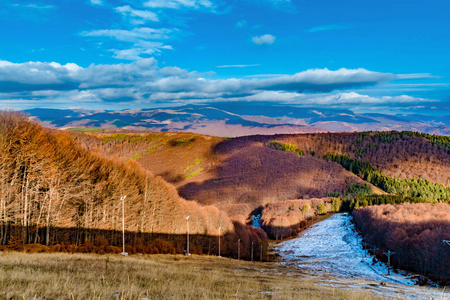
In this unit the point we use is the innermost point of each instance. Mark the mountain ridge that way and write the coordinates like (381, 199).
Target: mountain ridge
(240, 119)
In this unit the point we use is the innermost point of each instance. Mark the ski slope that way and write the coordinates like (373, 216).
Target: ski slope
(331, 250)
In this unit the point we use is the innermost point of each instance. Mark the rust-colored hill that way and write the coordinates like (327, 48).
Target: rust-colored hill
(214, 170)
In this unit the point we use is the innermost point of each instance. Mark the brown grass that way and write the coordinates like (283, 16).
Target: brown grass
(88, 276)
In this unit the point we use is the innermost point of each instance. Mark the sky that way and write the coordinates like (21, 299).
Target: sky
(384, 56)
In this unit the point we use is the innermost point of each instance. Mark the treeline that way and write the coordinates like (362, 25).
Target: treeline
(419, 188)
(392, 136)
(349, 204)
(353, 190)
(48, 183)
(416, 233)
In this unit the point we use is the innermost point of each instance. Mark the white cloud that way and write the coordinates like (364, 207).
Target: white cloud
(347, 98)
(97, 2)
(266, 39)
(137, 17)
(177, 4)
(132, 36)
(37, 73)
(144, 40)
(145, 73)
(417, 76)
(35, 6)
(326, 80)
(238, 66)
(137, 52)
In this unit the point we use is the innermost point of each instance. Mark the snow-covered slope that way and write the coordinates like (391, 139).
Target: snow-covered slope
(332, 251)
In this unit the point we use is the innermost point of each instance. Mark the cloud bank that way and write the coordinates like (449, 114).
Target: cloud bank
(143, 82)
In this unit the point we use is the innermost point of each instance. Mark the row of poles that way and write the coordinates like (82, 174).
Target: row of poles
(389, 253)
(220, 228)
(187, 235)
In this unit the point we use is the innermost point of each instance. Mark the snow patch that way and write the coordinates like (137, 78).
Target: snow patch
(332, 249)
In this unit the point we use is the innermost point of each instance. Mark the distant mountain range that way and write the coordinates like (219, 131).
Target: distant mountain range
(238, 119)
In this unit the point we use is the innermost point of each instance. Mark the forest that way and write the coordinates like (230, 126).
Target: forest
(56, 193)
(418, 188)
(416, 233)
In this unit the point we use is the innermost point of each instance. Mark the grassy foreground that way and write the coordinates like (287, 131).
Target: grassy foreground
(89, 276)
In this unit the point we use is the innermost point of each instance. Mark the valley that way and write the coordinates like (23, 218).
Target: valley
(213, 149)
(61, 191)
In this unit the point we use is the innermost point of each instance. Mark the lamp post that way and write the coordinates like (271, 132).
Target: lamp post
(123, 225)
(187, 234)
(388, 254)
(219, 239)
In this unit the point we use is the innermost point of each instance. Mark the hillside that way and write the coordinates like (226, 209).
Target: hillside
(65, 186)
(53, 191)
(267, 174)
(227, 173)
(250, 168)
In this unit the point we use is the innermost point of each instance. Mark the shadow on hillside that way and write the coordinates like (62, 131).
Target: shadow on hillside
(82, 240)
(255, 172)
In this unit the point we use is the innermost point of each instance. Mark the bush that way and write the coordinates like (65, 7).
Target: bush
(321, 209)
(336, 205)
(305, 209)
(35, 248)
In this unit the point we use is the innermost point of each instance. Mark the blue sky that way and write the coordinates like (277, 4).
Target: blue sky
(371, 56)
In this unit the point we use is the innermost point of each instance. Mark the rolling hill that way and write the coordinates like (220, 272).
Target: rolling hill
(246, 174)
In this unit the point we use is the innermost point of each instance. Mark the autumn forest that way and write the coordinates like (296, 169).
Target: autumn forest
(60, 190)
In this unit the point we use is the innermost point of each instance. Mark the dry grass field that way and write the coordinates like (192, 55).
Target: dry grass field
(88, 276)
